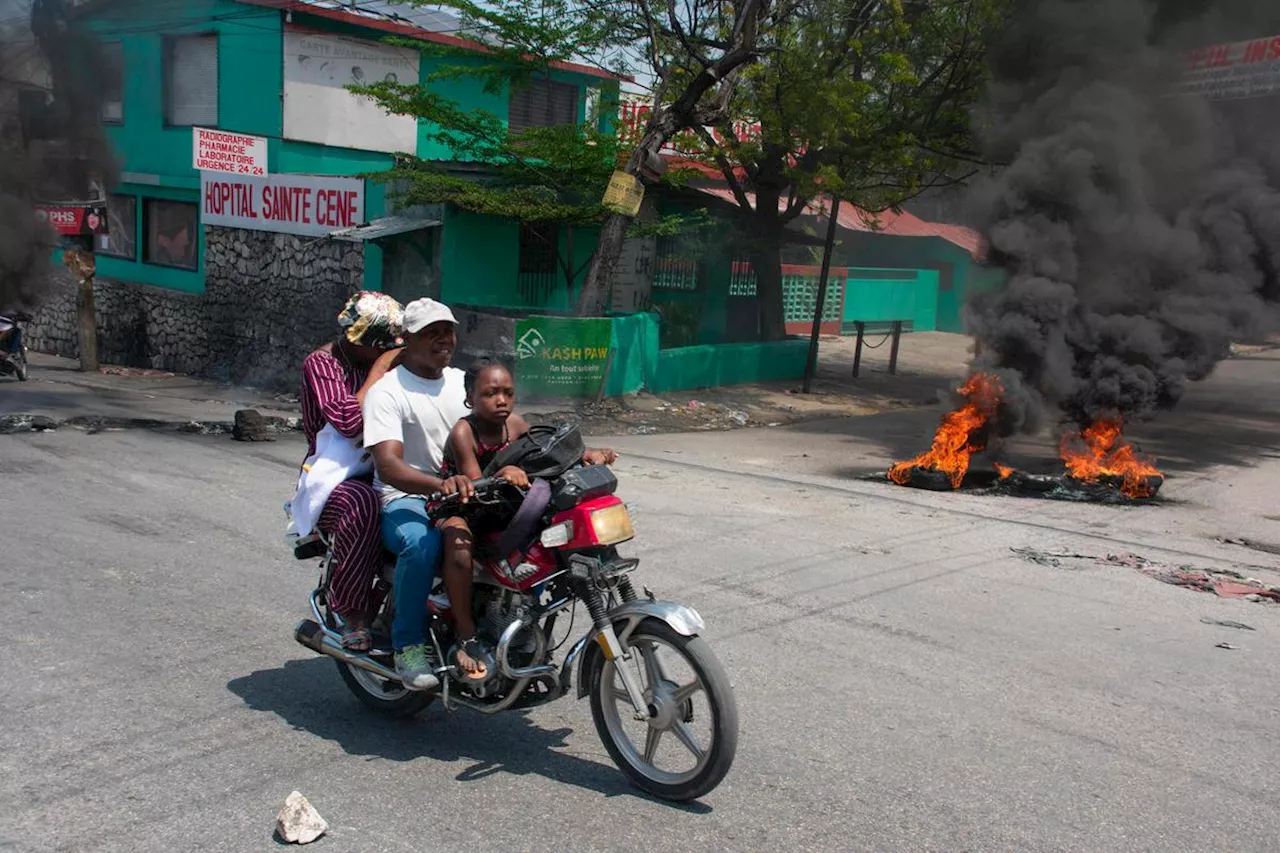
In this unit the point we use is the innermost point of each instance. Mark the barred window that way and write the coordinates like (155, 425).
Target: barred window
(542, 103)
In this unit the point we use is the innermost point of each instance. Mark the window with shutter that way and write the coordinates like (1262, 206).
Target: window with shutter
(543, 103)
(113, 84)
(191, 81)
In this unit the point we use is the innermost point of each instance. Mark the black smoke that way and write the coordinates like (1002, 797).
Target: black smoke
(1140, 227)
(53, 146)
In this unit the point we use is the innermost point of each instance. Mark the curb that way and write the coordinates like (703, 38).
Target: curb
(91, 424)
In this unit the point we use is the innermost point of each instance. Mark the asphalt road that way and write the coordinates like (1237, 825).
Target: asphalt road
(906, 682)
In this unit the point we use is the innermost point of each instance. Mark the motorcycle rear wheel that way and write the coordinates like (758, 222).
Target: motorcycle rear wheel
(393, 699)
(379, 694)
(674, 700)
(20, 367)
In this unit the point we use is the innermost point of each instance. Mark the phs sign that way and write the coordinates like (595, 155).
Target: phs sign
(307, 205)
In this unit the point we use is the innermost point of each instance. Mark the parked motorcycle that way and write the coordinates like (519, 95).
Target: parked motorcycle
(660, 699)
(13, 360)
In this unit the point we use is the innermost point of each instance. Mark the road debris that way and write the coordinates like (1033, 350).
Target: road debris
(1221, 582)
(299, 822)
(1052, 559)
(1227, 623)
(1226, 646)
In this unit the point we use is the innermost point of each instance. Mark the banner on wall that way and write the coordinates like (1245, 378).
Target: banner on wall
(307, 205)
(233, 153)
(75, 220)
(318, 107)
(562, 356)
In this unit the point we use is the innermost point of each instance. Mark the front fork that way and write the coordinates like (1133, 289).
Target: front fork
(610, 646)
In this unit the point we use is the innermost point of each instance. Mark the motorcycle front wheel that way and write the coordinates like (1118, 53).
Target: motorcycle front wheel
(688, 744)
(20, 366)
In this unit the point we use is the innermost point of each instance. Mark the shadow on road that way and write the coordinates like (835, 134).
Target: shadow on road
(309, 696)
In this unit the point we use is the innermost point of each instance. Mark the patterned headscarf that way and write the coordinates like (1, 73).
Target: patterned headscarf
(372, 319)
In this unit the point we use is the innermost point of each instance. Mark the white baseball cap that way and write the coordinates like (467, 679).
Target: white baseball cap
(421, 313)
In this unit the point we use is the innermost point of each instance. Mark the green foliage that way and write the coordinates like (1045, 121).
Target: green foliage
(869, 101)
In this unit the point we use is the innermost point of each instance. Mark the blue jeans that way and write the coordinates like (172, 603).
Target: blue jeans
(410, 535)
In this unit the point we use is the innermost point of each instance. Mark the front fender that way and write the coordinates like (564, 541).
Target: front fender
(625, 617)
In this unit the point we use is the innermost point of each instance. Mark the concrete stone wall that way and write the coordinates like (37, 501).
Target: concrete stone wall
(269, 300)
(483, 334)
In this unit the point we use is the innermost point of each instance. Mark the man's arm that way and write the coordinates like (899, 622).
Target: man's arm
(388, 456)
(384, 437)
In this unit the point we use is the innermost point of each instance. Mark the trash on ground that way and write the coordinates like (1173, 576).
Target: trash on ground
(1227, 623)
(1221, 582)
(1226, 646)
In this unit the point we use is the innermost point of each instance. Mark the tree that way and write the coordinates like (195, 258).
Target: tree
(690, 52)
(862, 99)
(541, 175)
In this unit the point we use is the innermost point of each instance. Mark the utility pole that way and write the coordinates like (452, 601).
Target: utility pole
(811, 365)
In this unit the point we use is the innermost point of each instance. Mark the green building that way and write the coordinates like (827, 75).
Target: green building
(201, 271)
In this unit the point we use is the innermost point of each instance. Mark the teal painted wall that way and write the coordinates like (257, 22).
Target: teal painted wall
(959, 275)
(876, 296)
(479, 258)
(729, 364)
(482, 258)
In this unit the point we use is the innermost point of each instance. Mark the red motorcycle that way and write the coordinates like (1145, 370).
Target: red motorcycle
(661, 701)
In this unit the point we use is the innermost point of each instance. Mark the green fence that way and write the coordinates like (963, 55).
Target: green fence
(728, 364)
(560, 357)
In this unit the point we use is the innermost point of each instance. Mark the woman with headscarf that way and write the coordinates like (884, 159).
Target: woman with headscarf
(335, 379)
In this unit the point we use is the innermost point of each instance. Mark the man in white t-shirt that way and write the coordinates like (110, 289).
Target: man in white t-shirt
(408, 415)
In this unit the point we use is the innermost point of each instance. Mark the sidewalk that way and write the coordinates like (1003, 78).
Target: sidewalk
(121, 396)
(929, 365)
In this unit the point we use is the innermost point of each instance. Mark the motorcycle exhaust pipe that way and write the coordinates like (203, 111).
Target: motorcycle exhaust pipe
(310, 634)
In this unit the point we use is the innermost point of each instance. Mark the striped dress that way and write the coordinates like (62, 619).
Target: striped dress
(350, 517)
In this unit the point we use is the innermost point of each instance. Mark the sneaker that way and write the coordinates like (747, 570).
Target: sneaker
(414, 668)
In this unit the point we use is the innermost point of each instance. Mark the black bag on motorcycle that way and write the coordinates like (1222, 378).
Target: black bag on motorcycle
(544, 451)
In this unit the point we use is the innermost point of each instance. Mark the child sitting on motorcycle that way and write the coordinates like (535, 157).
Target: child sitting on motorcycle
(473, 443)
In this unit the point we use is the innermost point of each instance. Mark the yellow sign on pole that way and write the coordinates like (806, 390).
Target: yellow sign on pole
(624, 194)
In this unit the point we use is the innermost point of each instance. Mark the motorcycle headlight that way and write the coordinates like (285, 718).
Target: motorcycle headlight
(612, 524)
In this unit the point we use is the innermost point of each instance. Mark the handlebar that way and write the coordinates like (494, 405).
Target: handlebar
(484, 484)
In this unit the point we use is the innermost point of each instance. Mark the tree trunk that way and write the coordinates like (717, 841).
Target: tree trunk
(766, 261)
(83, 267)
(614, 230)
(86, 326)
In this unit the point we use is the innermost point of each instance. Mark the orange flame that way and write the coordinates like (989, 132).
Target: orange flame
(1105, 453)
(1004, 471)
(960, 434)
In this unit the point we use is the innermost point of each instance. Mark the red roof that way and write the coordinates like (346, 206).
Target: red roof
(347, 16)
(897, 224)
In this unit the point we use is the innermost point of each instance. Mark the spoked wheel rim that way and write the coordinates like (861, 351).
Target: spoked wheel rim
(376, 685)
(674, 746)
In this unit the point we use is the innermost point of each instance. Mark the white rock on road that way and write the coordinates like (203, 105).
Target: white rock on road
(299, 822)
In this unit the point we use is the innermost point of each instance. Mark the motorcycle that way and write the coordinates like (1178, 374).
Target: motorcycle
(661, 701)
(13, 360)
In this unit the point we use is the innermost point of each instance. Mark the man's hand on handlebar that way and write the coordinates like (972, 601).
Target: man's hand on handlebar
(460, 486)
(514, 475)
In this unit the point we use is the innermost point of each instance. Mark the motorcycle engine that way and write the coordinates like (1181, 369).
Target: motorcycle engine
(501, 609)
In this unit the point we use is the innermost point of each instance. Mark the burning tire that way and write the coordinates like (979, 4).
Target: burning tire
(934, 481)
